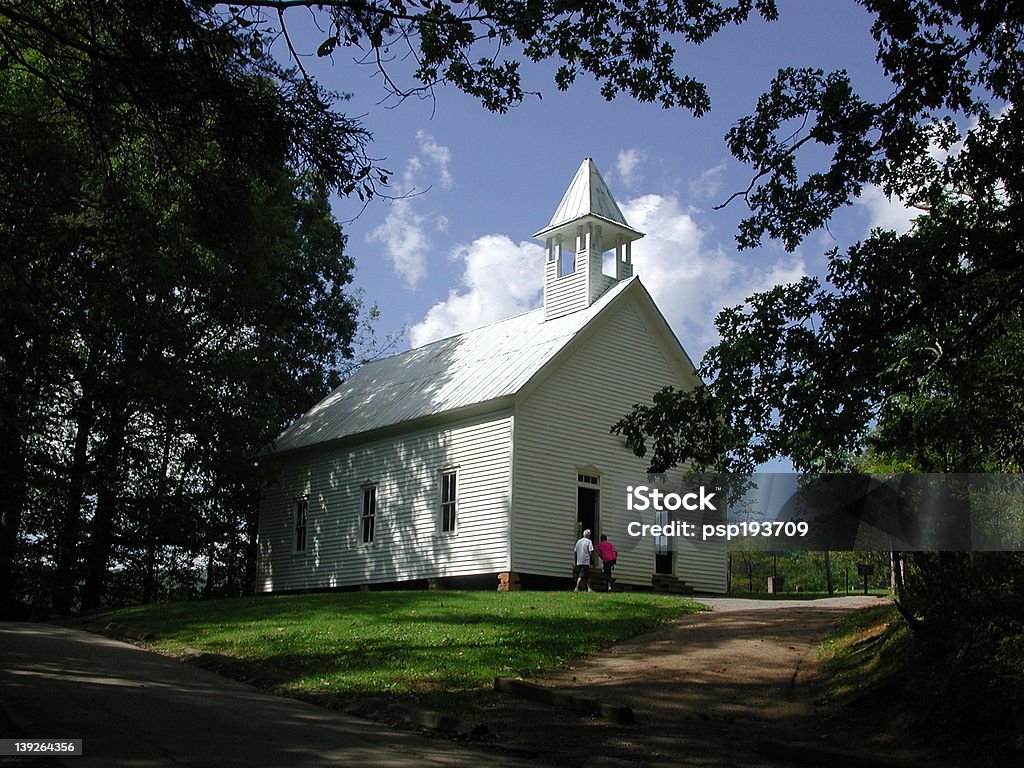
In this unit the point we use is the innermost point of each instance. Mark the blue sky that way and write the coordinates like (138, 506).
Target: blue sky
(459, 254)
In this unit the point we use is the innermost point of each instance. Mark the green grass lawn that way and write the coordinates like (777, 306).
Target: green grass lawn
(359, 644)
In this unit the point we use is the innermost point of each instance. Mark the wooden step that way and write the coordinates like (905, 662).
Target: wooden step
(672, 585)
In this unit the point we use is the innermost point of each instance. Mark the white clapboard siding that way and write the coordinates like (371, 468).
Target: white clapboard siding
(577, 290)
(568, 293)
(550, 384)
(563, 426)
(599, 282)
(408, 544)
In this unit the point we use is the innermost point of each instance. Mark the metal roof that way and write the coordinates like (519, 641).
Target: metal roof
(474, 367)
(587, 194)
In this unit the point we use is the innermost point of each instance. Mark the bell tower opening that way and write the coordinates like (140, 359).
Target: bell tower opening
(566, 260)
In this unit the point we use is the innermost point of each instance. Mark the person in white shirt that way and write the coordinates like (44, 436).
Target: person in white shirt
(582, 552)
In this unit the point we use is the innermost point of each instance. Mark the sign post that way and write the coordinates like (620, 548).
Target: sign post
(865, 570)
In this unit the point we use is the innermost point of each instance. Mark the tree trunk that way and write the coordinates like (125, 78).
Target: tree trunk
(149, 577)
(252, 545)
(101, 541)
(101, 535)
(154, 511)
(828, 574)
(210, 554)
(232, 562)
(71, 526)
(234, 520)
(13, 490)
(896, 576)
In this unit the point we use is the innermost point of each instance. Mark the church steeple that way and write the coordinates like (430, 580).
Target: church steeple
(587, 229)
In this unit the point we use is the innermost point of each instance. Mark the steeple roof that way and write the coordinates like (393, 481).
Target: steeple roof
(587, 195)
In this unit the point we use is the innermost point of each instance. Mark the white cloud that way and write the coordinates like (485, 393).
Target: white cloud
(750, 279)
(404, 230)
(708, 184)
(500, 279)
(438, 155)
(627, 165)
(679, 267)
(885, 212)
(405, 240)
(690, 277)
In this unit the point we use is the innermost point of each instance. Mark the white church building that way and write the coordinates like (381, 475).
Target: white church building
(478, 459)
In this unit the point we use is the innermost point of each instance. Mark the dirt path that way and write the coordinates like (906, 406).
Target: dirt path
(705, 689)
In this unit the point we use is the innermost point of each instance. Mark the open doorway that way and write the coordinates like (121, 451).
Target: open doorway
(663, 562)
(587, 504)
(664, 556)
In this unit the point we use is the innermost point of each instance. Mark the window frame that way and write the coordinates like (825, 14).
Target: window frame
(445, 504)
(371, 517)
(300, 526)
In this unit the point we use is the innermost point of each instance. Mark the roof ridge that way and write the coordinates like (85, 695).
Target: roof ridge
(444, 375)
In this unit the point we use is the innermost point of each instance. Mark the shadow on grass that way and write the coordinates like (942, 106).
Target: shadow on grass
(347, 611)
(368, 644)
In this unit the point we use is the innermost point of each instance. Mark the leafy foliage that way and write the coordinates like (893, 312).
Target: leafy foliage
(684, 427)
(477, 46)
(749, 572)
(907, 355)
(946, 60)
(911, 343)
(174, 292)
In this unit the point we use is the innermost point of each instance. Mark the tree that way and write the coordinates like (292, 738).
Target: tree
(911, 342)
(909, 350)
(158, 153)
(183, 77)
(176, 78)
(174, 287)
(477, 46)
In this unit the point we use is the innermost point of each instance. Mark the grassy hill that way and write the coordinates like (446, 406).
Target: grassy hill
(344, 646)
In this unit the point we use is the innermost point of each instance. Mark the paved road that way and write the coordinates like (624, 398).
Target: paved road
(137, 709)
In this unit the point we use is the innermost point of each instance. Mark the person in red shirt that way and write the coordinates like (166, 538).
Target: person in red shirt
(606, 551)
